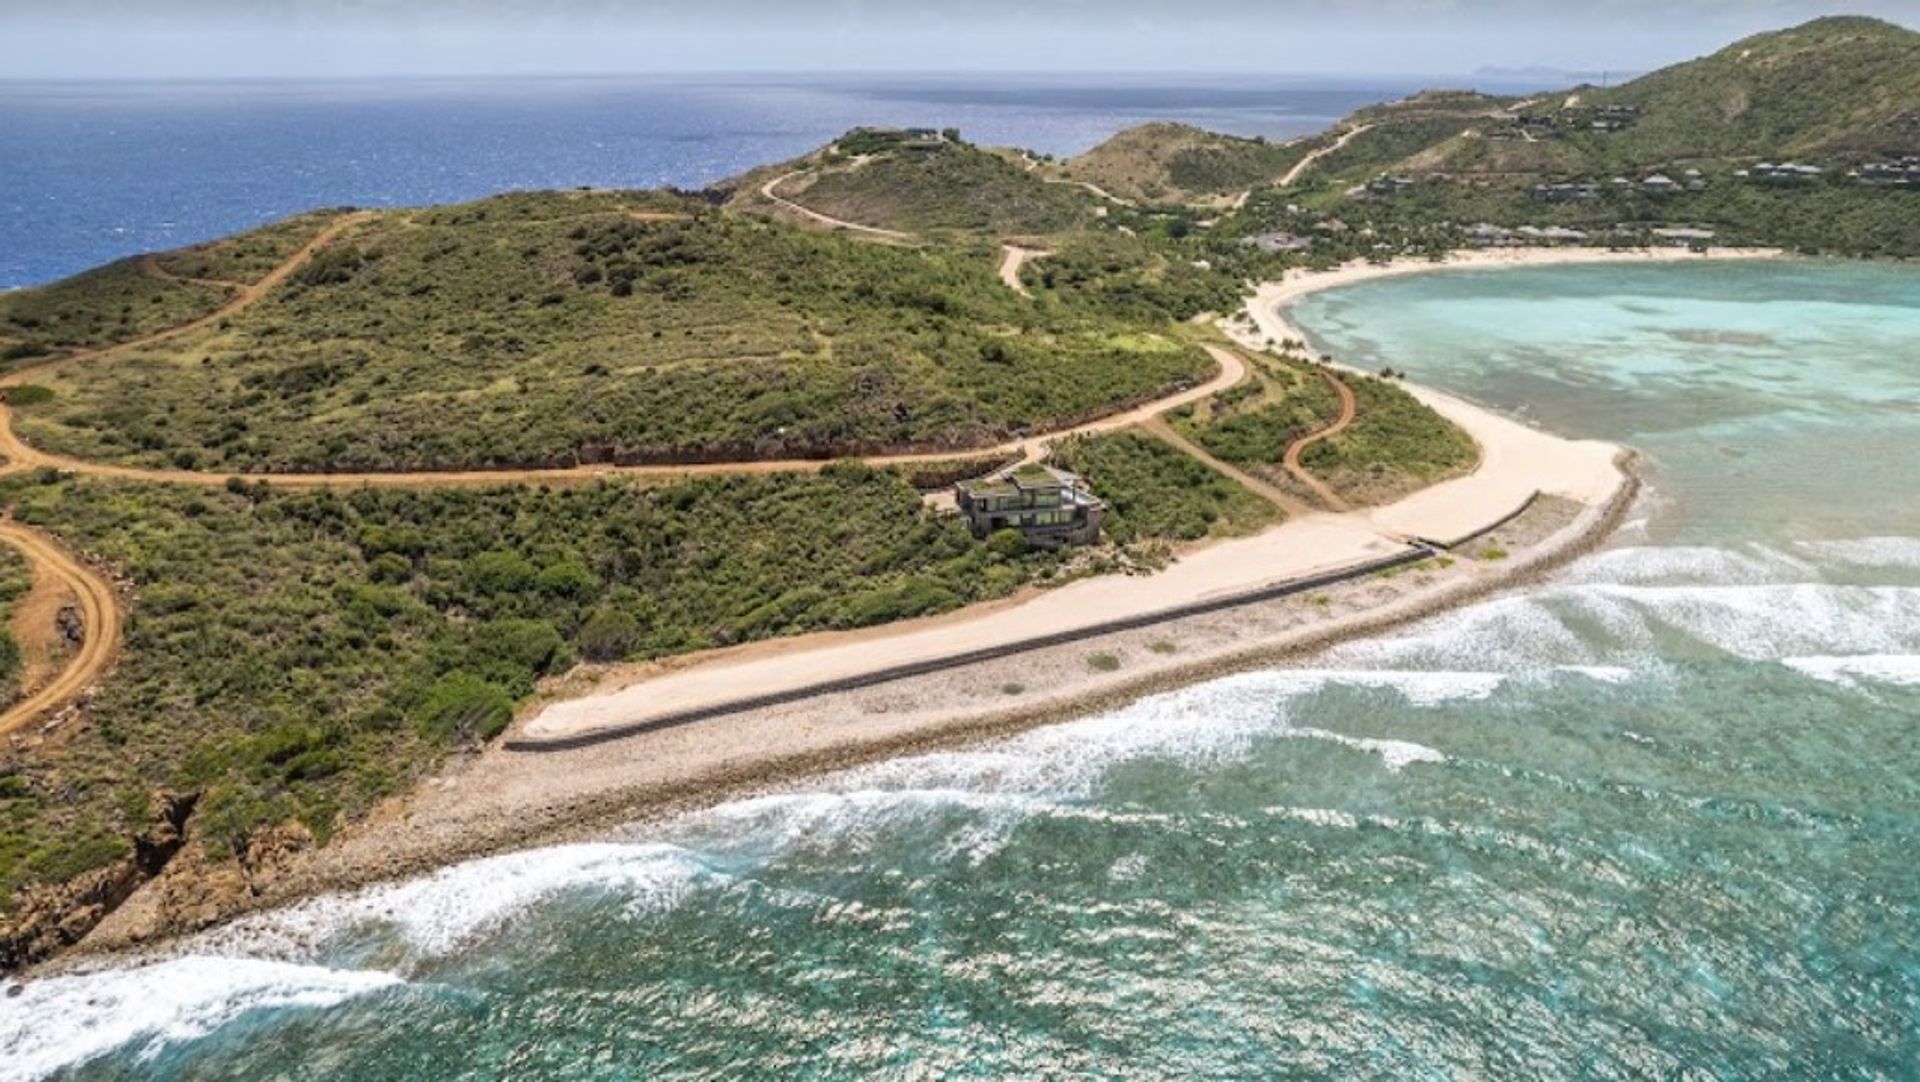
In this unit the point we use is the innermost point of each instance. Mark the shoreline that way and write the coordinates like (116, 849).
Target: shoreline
(499, 800)
(495, 822)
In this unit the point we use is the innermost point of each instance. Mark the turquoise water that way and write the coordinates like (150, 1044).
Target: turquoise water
(1658, 816)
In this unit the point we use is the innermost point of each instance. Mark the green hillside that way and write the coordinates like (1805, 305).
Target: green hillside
(1842, 88)
(144, 294)
(1174, 163)
(1835, 86)
(919, 183)
(554, 329)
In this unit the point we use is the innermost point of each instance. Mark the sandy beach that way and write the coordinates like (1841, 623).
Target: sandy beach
(501, 799)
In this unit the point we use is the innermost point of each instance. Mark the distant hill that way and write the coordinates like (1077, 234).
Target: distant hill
(1174, 163)
(918, 182)
(1834, 87)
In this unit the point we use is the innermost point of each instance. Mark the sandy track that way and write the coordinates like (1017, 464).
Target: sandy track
(151, 266)
(769, 190)
(1159, 427)
(1306, 163)
(23, 457)
(1348, 408)
(59, 576)
(1012, 258)
(244, 298)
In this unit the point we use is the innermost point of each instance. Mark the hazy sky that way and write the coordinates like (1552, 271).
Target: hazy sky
(222, 38)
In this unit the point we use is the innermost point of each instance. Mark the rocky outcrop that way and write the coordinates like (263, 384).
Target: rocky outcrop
(49, 918)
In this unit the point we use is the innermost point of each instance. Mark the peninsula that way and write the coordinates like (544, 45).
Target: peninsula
(370, 540)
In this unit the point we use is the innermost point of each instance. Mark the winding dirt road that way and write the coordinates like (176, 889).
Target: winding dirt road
(60, 578)
(769, 191)
(1348, 407)
(23, 457)
(1305, 163)
(101, 612)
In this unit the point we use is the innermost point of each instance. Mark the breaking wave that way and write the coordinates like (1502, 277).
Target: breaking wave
(65, 1021)
(438, 913)
(1899, 669)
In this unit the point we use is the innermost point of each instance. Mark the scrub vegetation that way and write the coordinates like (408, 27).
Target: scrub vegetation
(145, 294)
(293, 657)
(492, 336)
(1395, 445)
(935, 186)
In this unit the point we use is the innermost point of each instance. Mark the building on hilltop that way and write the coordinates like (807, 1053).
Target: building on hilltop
(1050, 507)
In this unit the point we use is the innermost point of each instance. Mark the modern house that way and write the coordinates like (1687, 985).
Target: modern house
(1900, 172)
(1050, 507)
(1565, 193)
(1783, 173)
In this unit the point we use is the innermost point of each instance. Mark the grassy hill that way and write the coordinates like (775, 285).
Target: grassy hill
(1834, 88)
(1835, 92)
(143, 294)
(1176, 163)
(558, 328)
(919, 183)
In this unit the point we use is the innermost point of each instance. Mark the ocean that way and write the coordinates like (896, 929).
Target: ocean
(1655, 816)
(92, 172)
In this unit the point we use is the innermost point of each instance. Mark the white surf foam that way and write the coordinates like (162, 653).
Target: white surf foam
(1615, 625)
(1210, 722)
(1396, 754)
(1872, 552)
(437, 913)
(1605, 674)
(1900, 669)
(66, 1021)
(1687, 564)
(1768, 622)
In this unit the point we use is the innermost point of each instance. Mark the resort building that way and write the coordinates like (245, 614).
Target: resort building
(1900, 172)
(1277, 243)
(1565, 193)
(1782, 173)
(1050, 507)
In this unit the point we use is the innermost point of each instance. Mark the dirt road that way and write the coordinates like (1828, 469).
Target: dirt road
(1348, 407)
(1305, 163)
(60, 579)
(23, 457)
(1012, 258)
(769, 190)
(1270, 493)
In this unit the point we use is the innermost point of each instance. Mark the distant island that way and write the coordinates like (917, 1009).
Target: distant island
(301, 517)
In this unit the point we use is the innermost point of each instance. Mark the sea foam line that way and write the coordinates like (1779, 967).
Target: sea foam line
(66, 1021)
(1851, 670)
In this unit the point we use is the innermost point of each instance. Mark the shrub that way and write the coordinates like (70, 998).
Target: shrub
(1103, 662)
(28, 394)
(609, 635)
(462, 706)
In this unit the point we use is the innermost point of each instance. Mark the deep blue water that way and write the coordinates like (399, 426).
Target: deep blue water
(93, 172)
